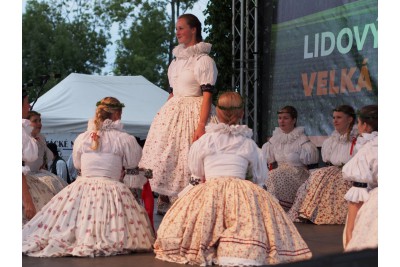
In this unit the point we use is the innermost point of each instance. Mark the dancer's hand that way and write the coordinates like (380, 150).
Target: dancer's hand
(199, 132)
(29, 209)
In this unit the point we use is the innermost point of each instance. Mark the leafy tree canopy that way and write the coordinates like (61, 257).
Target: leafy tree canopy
(58, 41)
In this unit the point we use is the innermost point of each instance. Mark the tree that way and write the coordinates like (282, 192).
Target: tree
(143, 48)
(219, 29)
(147, 33)
(57, 42)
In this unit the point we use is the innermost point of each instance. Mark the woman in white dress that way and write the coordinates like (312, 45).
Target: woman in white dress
(96, 215)
(361, 230)
(35, 193)
(226, 219)
(38, 168)
(291, 150)
(192, 76)
(320, 199)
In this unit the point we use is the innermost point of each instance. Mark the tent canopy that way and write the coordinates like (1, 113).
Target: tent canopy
(68, 106)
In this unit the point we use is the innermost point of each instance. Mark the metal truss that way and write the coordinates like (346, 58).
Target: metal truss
(245, 57)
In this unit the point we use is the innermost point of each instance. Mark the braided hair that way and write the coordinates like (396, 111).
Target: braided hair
(105, 108)
(230, 107)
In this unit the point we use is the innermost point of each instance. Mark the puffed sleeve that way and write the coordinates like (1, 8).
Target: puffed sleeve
(132, 153)
(196, 157)
(268, 152)
(205, 72)
(362, 168)
(259, 166)
(326, 149)
(77, 150)
(309, 153)
(30, 149)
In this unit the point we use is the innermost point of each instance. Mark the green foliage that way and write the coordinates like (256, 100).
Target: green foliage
(219, 29)
(64, 36)
(143, 48)
(147, 36)
(56, 42)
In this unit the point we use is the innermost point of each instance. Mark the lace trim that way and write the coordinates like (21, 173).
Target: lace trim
(107, 125)
(185, 52)
(343, 138)
(243, 130)
(280, 137)
(365, 138)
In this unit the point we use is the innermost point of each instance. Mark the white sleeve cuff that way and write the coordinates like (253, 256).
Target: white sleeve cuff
(357, 194)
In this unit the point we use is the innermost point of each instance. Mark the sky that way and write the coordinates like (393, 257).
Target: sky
(197, 10)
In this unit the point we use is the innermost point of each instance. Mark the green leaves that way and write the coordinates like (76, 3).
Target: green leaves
(57, 41)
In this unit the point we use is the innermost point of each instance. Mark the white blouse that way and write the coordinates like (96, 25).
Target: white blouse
(227, 151)
(191, 68)
(43, 152)
(117, 149)
(294, 148)
(363, 168)
(336, 149)
(29, 145)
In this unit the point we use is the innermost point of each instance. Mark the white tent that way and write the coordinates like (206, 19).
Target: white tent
(68, 106)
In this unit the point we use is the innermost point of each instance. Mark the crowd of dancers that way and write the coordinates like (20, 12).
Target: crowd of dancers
(225, 200)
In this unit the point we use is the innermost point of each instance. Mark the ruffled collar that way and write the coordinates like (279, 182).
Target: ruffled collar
(243, 130)
(107, 125)
(185, 52)
(365, 138)
(279, 136)
(343, 138)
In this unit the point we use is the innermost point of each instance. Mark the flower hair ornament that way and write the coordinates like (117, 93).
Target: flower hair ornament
(111, 105)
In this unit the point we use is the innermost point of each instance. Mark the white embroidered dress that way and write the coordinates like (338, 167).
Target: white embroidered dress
(40, 192)
(320, 199)
(228, 220)
(293, 152)
(363, 168)
(171, 132)
(96, 215)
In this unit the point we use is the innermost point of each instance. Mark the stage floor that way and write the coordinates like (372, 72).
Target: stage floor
(323, 240)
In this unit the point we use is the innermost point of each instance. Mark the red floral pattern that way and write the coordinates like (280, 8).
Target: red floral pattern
(321, 198)
(228, 221)
(79, 222)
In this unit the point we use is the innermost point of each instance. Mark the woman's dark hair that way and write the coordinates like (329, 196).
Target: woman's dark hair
(348, 110)
(193, 22)
(33, 113)
(369, 115)
(291, 111)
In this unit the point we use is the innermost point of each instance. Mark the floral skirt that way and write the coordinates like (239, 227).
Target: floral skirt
(228, 221)
(94, 216)
(320, 199)
(55, 183)
(40, 193)
(167, 145)
(365, 232)
(284, 181)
